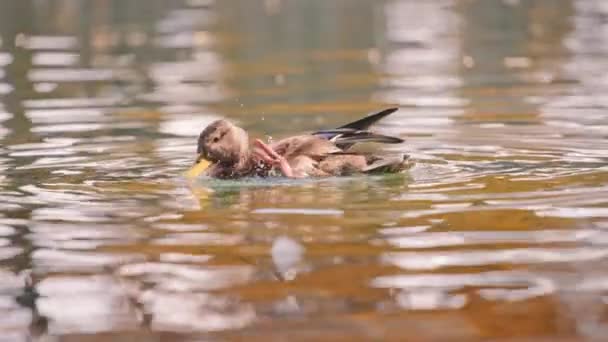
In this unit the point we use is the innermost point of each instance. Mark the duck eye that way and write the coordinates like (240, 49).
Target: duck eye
(216, 139)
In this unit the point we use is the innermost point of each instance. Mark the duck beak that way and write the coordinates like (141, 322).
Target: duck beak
(199, 167)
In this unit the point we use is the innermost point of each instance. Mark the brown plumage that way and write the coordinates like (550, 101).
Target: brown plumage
(318, 154)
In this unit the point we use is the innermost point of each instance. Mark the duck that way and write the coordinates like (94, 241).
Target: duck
(225, 151)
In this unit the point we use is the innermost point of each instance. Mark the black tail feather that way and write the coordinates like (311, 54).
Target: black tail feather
(368, 121)
(364, 136)
(347, 135)
(359, 125)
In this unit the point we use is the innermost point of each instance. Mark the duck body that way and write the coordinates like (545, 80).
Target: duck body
(323, 153)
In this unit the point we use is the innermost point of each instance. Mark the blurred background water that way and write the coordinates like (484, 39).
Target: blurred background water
(498, 232)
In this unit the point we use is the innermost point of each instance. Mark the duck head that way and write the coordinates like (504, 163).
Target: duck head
(222, 142)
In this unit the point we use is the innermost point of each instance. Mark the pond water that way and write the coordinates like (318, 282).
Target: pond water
(499, 230)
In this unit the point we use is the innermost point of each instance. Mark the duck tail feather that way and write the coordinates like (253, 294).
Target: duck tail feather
(364, 136)
(388, 165)
(368, 121)
(359, 125)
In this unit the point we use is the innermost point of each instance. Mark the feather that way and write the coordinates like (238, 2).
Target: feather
(368, 121)
(347, 135)
(364, 136)
(358, 125)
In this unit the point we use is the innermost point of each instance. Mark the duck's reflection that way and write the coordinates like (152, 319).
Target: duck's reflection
(256, 193)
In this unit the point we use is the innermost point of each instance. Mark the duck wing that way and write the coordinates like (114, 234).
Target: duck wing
(305, 145)
(304, 153)
(323, 152)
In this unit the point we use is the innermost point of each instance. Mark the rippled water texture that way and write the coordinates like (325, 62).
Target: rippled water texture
(499, 231)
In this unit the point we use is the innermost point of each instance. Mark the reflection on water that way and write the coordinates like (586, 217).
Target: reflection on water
(499, 230)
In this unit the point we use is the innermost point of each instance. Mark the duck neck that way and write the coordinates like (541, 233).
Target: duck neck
(245, 163)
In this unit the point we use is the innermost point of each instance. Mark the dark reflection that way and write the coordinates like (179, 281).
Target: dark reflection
(39, 323)
(12, 33)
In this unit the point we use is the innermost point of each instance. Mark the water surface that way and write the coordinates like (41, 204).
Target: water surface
(499, 230)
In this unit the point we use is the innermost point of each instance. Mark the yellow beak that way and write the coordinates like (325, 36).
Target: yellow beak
(201, 165)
